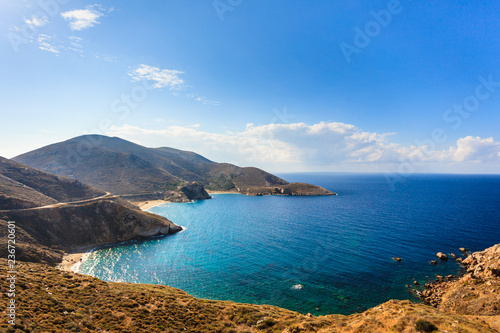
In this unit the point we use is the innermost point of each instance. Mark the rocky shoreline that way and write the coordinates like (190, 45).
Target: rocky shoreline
(474, 292)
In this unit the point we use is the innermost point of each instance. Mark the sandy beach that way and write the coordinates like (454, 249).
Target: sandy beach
(70, 260)
(148, 204)
(222, 192)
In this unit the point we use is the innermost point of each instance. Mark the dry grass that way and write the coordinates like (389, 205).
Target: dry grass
(53, 301)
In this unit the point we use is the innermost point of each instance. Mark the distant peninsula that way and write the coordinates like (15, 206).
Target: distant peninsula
(138, 173)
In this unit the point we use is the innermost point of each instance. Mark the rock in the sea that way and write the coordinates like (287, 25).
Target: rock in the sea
(442, 256)
(463, 249)
(433, 262)
(453, 255)
(397, 259)
(459, 259)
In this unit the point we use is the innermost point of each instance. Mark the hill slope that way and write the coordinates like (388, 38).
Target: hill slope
(24, 187)
(122, 167)
(49, 300)
(54, 213)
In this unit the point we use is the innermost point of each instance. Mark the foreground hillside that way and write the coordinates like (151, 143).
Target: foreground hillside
(122, 167)
(50, 300)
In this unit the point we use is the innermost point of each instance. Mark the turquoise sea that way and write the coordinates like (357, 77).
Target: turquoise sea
(339, 249)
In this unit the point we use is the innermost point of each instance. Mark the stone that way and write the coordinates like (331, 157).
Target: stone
(397, 259)
(453, 255)
(441, 256)
(463, 249)
(433, 262)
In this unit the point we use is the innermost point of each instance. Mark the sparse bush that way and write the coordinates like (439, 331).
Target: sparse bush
(423, 325)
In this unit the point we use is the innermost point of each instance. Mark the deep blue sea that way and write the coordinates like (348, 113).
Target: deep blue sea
(338, 248)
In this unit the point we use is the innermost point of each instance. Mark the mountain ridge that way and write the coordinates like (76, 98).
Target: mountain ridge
(122, 167)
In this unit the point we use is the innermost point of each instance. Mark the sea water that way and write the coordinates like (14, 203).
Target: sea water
(318, 255)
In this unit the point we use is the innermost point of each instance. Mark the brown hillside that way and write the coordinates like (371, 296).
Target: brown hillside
(122, 167)
(49, 300)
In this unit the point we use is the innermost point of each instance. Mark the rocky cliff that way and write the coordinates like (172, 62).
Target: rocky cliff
(195, 191)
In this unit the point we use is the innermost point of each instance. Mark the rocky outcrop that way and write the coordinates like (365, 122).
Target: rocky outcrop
(442, 256)
(475, 292)
(195, 191)
(96, 223)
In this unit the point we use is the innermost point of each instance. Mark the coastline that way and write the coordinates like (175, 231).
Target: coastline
(71, 261)
(222, 192)
(144, 205)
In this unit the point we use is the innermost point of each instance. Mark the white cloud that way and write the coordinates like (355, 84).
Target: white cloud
(106, 57)
(80, 19)
(36, 21)
(202, 100)
(475, 149)
(48, 43)
(324, 146)
(161, 77)
(167, 78)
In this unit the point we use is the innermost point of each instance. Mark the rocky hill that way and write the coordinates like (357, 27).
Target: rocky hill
(122, 167)
(44, 233)
(24, 187)
(53, 214)
(49, 300)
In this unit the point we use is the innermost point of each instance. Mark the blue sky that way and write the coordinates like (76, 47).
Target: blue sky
(368, 86)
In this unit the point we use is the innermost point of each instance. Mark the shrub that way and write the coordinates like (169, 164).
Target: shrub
(423, 325)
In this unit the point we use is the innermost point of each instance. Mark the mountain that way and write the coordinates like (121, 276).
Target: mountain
(122, 167)
(25, 187)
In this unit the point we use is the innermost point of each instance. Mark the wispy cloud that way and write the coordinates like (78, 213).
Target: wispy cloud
(323, 146)
(167, 78)
(80, 19)
(75, 44)
(36, 21)
(202, 100)
(49, 43)
(106, 57)
(161, 78)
